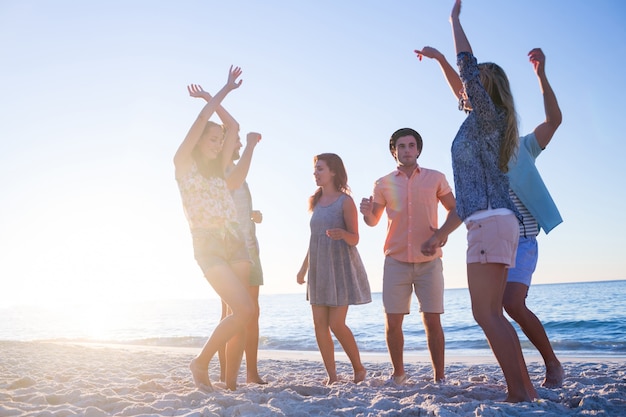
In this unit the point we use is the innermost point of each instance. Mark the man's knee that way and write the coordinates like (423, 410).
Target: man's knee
(432, 322)
(393, 323)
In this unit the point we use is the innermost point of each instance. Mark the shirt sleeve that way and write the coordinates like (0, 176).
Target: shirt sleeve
(477, 95)
(444, 186)
(378, 193)
(530, 143)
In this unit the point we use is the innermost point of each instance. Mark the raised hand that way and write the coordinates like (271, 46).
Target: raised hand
(538, 59)
(456, 10)
(256, 216)
(233, 74)
(366, 206)
(252, 138)
(195, 90)
(428, 52)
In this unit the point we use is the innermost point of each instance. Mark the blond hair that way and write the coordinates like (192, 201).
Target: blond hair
(496, 83)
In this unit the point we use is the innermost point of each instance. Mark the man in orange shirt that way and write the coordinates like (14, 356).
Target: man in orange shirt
(411, 196)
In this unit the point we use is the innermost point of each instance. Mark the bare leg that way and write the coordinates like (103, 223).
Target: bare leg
(221, 353)
(252, 340)
(235, 346)
(227, 285)
(436, 343)
(395, 342)
(234, 356)
(515, 305)
(337, 321)
(486, 286)
(325, 340)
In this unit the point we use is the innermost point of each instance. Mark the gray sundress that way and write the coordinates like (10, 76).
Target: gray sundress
(336, 276)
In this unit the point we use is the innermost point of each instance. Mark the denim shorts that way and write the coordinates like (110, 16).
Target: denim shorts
(493, 239)
(213, 247)
(526, 261)
(401, 279)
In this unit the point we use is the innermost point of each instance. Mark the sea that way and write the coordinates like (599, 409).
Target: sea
(581, 319)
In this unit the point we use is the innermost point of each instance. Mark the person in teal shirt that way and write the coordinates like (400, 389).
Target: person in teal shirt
(533, 201)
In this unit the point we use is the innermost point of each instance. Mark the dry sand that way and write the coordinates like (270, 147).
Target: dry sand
(52, 379)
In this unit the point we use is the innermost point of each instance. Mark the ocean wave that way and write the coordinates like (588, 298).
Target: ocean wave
(478, 346)
(576, 325)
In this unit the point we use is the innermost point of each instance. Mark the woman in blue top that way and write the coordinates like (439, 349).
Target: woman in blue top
(481, 152)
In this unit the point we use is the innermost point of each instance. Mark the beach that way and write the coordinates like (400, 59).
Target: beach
(96, 380)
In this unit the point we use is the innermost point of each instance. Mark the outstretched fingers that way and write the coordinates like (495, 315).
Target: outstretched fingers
(195, 90)
(233, 74)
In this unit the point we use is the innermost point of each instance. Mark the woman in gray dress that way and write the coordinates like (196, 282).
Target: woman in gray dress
(336, 275)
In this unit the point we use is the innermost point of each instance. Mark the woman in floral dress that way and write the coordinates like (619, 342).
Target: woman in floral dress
(219, 248)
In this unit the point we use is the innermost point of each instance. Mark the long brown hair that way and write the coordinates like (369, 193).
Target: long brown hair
(340, 180)
(497, 85)
(208, 167)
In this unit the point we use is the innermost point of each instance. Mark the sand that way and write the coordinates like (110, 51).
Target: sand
(65, 379)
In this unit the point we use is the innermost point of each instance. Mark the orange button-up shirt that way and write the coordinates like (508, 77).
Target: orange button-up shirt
(412, 206)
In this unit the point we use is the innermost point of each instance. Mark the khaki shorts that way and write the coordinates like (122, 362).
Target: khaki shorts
(256, 272)
(493, 240)
(401, 279)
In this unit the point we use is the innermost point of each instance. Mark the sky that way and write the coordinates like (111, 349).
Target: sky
(94, 104)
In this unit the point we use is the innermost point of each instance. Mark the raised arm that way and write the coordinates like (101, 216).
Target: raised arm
(183, 156)
(231, 126)
(238, 174)
(453, 79)
(545, 130)
(196, 90)
(461, 44)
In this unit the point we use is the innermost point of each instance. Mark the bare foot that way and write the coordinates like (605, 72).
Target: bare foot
(517, 398)
(200, 376)
(510, 399)
(397, 380)
(331, 381)
(554, 376)
(232, 385)
(255, 380)
(522, 397)
(360, 375)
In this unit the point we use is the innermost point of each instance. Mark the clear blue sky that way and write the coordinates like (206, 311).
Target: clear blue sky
(93, 106)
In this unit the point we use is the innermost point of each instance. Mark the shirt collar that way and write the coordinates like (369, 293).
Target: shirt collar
(398, 172)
